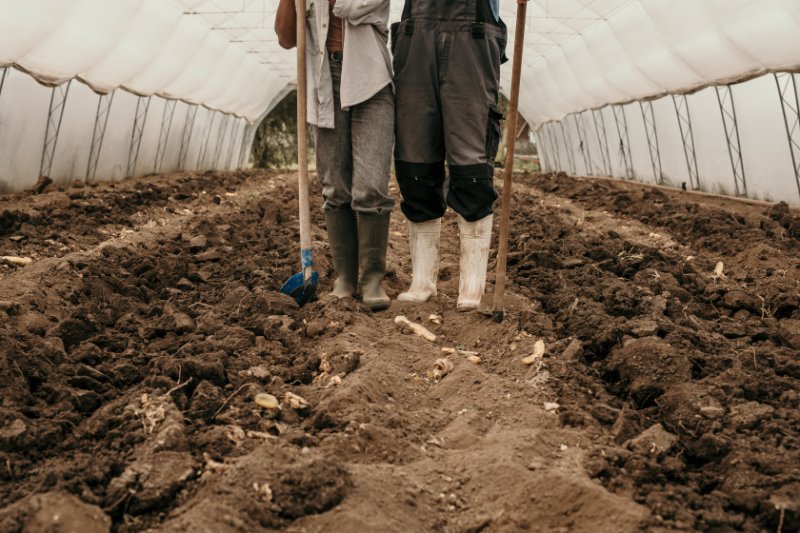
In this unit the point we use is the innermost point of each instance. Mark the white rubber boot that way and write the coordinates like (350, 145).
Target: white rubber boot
(424, 240)
(476, 237)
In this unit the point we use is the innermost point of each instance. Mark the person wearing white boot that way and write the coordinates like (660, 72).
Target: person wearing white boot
(447, 59)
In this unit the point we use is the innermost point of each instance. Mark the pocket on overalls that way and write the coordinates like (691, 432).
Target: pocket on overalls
(395, 29)
(502, 42)
(493, 134)
(400, 45)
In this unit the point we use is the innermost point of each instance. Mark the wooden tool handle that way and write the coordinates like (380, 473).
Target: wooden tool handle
(302, 141)
(511, 138)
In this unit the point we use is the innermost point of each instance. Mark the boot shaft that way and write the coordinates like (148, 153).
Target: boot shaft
(431, 229)
(373, 241)
(423, 240)
(343, 241)
(476, 238)
(481, 229)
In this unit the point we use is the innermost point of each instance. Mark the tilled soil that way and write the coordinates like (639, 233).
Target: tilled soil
(136, 343)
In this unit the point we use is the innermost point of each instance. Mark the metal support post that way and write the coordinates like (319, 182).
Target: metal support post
(787, 89)
(687, 135)
(186, 137)
(241, 146)
(584, 143)
(237, 128)
(602, 140)
(247, 145)
(163, 137)
(201, 157)
(551, 148)
(58, 102)
(624, 141)
(651, 132)
(3, 79)
(542, 150)
(568, 142)
(139, 121)
(247, 140)
(545, 155)
(104, 103)
(223, 133)
(551, 134)
(727, 109)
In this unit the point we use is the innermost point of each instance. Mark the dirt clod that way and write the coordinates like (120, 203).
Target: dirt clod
(54, 512)
(655, 441)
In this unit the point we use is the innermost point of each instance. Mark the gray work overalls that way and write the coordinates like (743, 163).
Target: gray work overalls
(447, 56)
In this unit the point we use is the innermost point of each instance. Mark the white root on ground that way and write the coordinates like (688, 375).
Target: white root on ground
(454, 351)
(263, 491)
(538, 353)
(472, 357)
(325, 377)
(719, 271)
(296, 402)
(416, 328)
(441, 368)
(267, 401)
(16, 261)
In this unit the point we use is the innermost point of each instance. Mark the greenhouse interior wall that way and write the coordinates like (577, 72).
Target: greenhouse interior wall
(70, 132)
(736, 140)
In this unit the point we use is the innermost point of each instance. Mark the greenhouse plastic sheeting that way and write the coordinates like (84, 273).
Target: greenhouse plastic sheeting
(629, 50)
(99, 89)
(149, 47)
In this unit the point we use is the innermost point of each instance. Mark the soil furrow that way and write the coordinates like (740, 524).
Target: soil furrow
(132, 359)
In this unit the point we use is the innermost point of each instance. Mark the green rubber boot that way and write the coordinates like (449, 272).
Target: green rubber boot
(343, 241)
(373, 239)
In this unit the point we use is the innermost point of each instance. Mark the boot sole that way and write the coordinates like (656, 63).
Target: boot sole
(378, 306)
(464, 308)
(414, 299)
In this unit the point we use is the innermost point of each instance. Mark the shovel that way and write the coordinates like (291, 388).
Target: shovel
(303, 285)
(498, 308)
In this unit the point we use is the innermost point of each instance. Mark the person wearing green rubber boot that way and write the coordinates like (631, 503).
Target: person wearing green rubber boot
(351, 109)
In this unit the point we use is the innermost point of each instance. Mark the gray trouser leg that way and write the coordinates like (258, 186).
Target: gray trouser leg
(354, 158)
(334, 157)
(372, 133)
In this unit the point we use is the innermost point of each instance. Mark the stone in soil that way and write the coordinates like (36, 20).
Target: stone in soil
(151, 483)
(655, 441)
(54, 512)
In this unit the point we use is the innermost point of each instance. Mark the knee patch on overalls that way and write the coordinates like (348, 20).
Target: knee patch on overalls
(422, 188)
(472, 193)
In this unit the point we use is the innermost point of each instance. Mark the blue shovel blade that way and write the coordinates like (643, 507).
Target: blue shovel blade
(302, 291)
